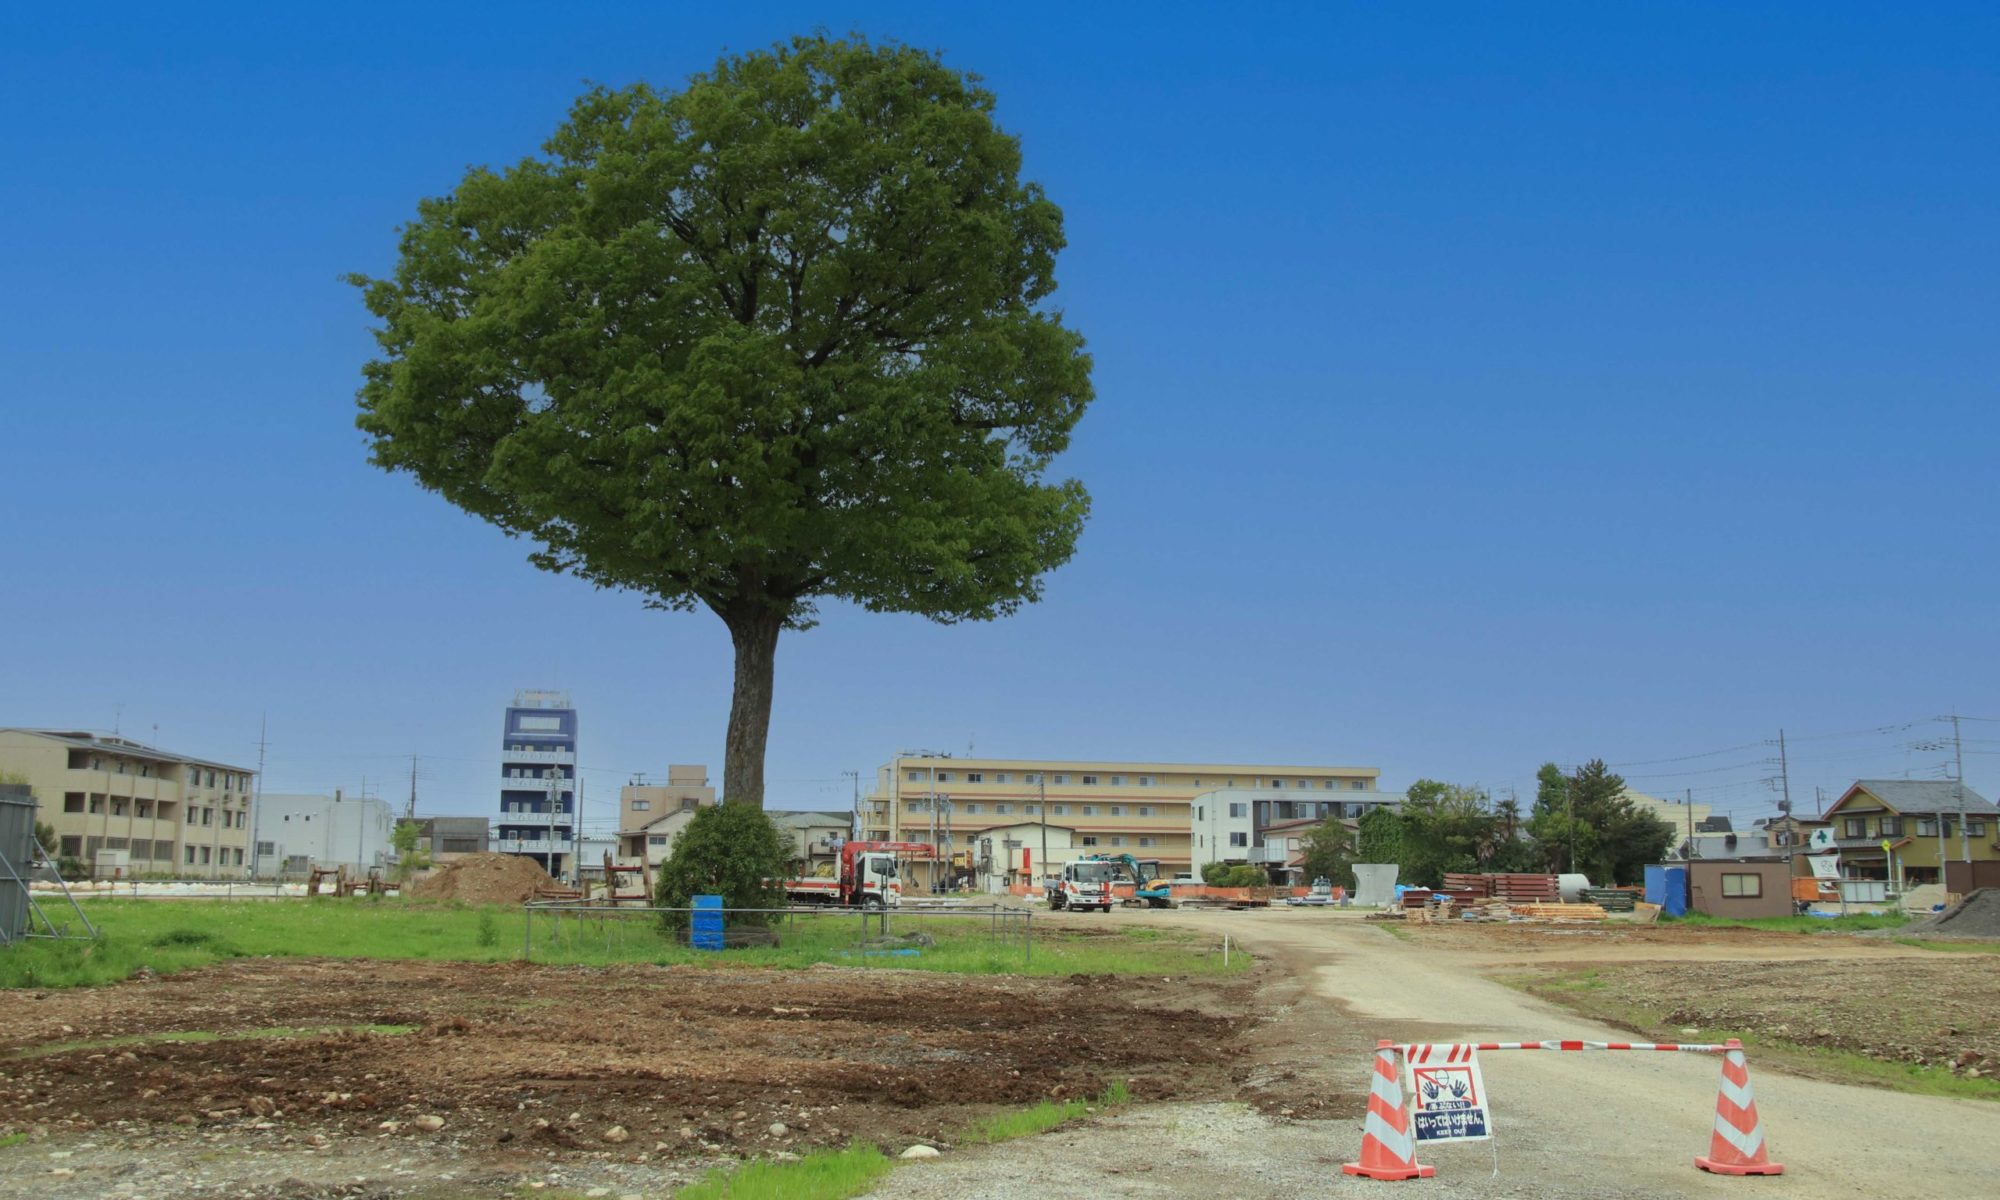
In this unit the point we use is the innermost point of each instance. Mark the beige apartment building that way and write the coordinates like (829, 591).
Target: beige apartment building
(651, 815)
(1136, 808)
(122, 807)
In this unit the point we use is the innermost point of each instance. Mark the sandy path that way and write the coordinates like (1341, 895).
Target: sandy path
(1582, 1125)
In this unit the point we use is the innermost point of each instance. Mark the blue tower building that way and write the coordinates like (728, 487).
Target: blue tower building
(538, 804)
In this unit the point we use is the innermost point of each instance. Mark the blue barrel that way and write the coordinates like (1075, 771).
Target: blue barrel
(707, 931)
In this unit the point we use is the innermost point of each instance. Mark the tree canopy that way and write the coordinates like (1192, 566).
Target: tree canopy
(1614, 838)
(1329, 853)
(779, 336)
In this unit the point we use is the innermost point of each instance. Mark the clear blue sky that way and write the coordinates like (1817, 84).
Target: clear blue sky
(1477, 386)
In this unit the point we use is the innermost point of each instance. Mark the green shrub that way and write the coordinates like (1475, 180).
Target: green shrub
(489, 930)
(731, 850)
(1213, 874)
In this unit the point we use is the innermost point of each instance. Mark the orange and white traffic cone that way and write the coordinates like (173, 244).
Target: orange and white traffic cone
(1388, 1143)
(1737, 1148)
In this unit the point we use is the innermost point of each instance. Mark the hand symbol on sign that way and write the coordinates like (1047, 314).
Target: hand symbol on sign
(1458, 1088)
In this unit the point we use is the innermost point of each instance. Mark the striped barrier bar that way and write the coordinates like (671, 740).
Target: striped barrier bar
(1418, 1052)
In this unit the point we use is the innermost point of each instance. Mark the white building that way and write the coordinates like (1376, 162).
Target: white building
(325, 831)
(1230, 824)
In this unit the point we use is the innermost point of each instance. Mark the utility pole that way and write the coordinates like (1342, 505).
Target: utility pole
(1958, 786)
(411, 812)
(257, 801)
(854, 831)
(1784, 773)
(1042, 811)
(1689, 793)
(555, 784)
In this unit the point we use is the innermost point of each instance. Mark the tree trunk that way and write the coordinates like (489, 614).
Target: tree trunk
(756, 639)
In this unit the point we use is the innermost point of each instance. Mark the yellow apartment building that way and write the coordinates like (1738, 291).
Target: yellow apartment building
(1136, 808)
(117, 804)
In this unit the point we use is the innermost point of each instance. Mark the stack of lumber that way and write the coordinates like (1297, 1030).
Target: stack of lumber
(1560, 912)
(1616, 900)
(1416, 897)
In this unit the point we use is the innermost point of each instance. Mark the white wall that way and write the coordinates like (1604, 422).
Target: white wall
(331, 832)
(1213, 817)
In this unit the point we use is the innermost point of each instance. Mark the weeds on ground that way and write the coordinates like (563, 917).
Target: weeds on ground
(205, 1035)
(1581, 991)
(1950, 947)
(821, 1175)
(165, 937)
(12, 1139)
(1044, 1116)
(1852, 923)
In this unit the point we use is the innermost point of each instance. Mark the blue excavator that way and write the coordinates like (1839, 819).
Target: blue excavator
(1149, 888)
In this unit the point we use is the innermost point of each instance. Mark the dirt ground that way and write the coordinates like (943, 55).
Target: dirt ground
(531, 1066)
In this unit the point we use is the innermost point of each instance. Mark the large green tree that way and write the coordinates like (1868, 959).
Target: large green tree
(1588, 808)
(731, 850)
(1328, 853)
(780, 336)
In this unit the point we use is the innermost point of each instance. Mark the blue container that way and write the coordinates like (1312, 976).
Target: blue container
(706, 933)
(1667, 886)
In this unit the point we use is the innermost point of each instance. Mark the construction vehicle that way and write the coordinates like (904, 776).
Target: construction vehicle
(1148, 888)
(866, 875)
(1321, 895)
(1084, 883)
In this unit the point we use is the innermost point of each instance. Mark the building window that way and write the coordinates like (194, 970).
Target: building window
(1746, 886)
(642, 806)
(975, 777)
(1854, 827)
(1145, 781)
(1145, 811)
(1926, 827)
(72, 802)
(1199, 811)
(1117, 781)
(656, 839)
(1117, 810)
(1090, 781)
(1031, 777)
(1000, 808)
(1032, 809)
(1357, 785)
(1892, 826)
(972, 808)
(916, 776)
(1001, 777)
(144, 809)
(1277, 783)
(1117, 839)
(205, 855)
(1090, 810)
(190, 855)
(1238, 809)
(1089, 839)
(1058, 779)
(1061, 810)
(1146, 841)
(96, 803)
(1239, 839)
(1975, 827)
(944, 776)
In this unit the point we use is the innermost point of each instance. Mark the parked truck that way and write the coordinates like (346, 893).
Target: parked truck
(866, 875)
(1084, 883)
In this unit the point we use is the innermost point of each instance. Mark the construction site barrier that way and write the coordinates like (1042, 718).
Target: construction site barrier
(1388, 1142)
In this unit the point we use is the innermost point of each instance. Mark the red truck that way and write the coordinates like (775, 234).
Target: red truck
(865, 877)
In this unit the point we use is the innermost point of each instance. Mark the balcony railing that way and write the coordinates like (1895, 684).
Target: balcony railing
(510, 783)
(538, 756)
(1269, 854)
(533, 846)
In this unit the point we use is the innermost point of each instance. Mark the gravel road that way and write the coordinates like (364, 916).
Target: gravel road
(1567, 1124)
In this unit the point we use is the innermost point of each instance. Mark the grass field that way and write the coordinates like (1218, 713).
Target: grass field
(1853, 923)
(166, 936)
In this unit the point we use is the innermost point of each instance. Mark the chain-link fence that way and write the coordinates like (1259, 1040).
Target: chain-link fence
(972, 937)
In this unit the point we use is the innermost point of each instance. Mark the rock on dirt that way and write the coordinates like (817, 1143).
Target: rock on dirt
(484, 879)
(428, 1123)
(920, 1151)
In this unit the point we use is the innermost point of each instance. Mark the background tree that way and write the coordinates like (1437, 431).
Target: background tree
(405, 839)
(1564, 839)
(1445, 827)
(1614, 837)
(1329, 853)
(730, 850)
(1380, 836)
(776, 337)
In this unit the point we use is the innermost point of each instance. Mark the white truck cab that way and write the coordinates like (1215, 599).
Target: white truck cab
(1085, 884)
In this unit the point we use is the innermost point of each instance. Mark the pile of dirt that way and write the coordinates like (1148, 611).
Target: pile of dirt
(484, 879)
(1976, 916)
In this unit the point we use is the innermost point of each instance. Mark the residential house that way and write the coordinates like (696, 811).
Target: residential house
(1904, 830)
